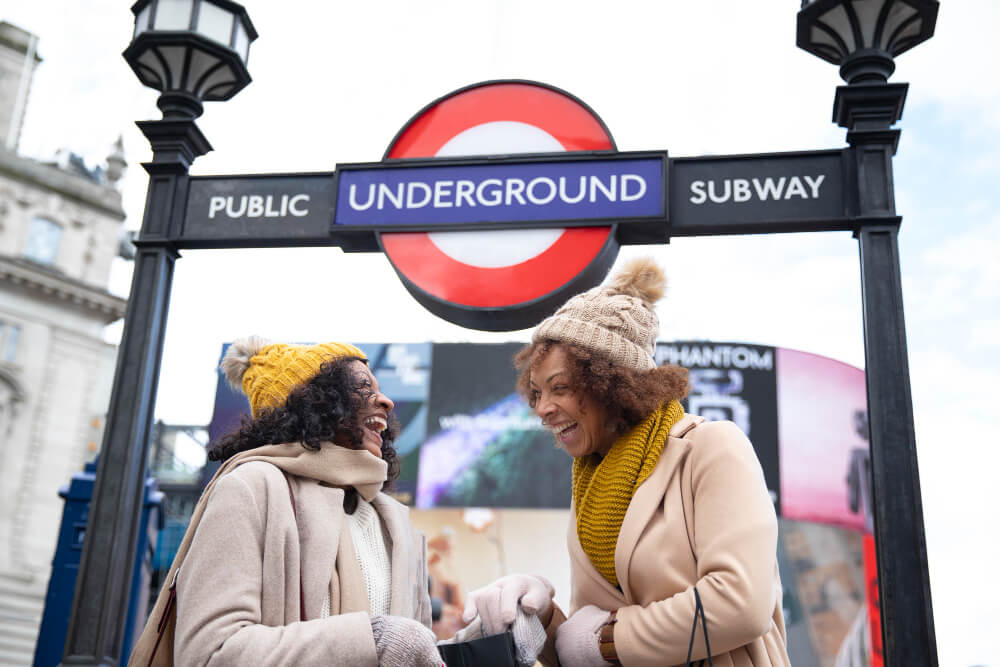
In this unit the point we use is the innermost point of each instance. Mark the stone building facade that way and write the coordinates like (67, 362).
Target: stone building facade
(60, 230)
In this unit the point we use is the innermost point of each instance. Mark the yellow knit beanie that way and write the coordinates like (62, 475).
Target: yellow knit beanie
(267, 372)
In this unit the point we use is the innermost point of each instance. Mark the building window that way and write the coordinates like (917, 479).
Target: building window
(9, 335)
(43, 240)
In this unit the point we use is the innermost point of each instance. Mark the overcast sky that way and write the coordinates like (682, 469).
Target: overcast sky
(334, 82)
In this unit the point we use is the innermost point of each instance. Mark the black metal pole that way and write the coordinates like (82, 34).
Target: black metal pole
(868, 111)
(101, 600)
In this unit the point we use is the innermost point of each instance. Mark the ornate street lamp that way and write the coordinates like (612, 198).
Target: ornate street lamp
(863, 37)
(192, 51)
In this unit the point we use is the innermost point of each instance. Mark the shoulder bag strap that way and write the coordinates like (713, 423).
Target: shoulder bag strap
(699, 609)
(295, 514)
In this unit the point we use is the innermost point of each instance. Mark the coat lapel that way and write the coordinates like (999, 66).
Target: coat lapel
(586, 577)
(396, 521)
(320, 521)
(648, 498)
(349, 579)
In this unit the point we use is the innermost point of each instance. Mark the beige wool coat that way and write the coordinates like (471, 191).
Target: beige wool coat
(238, 587)
(703, 518)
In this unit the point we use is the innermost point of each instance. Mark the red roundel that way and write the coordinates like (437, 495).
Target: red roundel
(500, 280)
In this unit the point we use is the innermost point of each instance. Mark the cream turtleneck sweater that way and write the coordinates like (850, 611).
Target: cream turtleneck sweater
(371, 545)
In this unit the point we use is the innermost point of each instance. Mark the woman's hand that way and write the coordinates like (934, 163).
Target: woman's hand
(529, 637)
(496, 604)
(402, 642)
(576, 639)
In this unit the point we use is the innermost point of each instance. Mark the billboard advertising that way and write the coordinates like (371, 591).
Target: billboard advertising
(485, 447)
(469, 440)
(733, 382)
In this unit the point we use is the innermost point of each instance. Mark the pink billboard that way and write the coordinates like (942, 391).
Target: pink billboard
(823, 440)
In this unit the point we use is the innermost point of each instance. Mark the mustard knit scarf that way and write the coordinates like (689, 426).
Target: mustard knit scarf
(603, 488)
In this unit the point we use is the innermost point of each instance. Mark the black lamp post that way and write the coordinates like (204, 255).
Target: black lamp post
(862, 37)
(191, 51)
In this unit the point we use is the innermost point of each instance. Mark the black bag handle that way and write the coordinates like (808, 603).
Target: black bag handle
(699, 608)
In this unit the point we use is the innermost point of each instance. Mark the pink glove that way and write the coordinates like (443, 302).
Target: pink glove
(496, 604)
(576, 639)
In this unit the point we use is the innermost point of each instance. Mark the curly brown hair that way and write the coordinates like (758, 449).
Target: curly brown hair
(629, 395)
(318, 411)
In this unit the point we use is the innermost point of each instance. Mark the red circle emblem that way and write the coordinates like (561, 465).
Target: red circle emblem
(500, 280)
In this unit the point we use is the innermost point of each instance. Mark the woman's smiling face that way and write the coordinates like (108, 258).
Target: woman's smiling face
(374, 416)
(579, 424)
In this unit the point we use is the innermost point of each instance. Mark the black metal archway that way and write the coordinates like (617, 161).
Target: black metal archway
(835, 190)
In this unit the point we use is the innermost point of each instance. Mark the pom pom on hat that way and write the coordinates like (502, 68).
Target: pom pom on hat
(616, 320)
(268, 372)
(641, 278)
(237, 359)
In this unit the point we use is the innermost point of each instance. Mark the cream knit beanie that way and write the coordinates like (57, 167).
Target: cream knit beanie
(616, 320)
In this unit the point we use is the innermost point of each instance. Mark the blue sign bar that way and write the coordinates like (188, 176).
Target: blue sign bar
(558, 189)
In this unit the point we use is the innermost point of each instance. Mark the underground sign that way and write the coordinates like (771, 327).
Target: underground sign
(500, 280)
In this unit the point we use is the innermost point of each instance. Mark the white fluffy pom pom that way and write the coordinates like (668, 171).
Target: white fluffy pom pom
(237, 359)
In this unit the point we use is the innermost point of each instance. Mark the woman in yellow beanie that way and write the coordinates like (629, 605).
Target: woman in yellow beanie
(294, 555)
(669, 513)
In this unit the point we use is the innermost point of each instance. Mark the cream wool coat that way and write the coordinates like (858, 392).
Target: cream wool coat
(703, 517)
(238, 587)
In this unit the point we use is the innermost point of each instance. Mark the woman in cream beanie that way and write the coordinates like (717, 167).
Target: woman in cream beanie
(669, 512)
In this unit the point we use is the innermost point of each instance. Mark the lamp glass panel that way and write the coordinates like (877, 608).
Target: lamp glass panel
(201, 62)
(219, 76)
(837, 19)
(222, 91)
(215, 23)
(174, 55)
(149, 77)
(900, 12)
(820, 38)
(906, 35)
(150, 63)
(242, 41)
(173, 15)
(142, 21)
(867, 13)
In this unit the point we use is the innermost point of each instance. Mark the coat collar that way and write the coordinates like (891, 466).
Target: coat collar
(321, 527)
(328, 556)
(649, 496)
(600, 592)
(397, 520)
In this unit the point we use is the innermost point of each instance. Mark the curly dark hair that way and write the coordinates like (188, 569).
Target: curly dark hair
(318, 411)
(629, 395)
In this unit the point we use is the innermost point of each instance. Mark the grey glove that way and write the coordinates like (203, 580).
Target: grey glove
(403, 642)
(529, 636)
